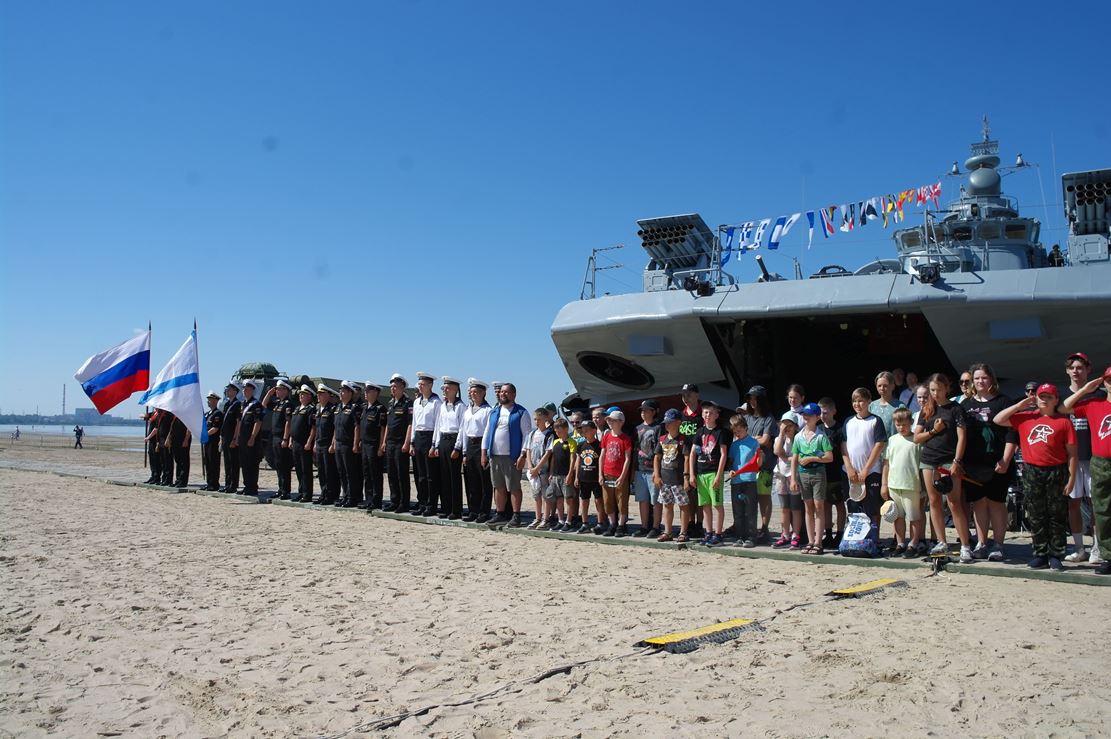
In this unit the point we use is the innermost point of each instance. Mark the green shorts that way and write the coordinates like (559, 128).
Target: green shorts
(764, 482)
(707, 493)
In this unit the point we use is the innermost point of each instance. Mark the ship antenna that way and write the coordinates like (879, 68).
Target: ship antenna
(987, 128)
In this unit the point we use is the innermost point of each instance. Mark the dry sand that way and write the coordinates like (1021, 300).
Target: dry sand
(141, 613)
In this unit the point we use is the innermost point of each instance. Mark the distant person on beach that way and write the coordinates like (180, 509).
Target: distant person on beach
(1048, 443)
(78, 432)
(213, 420)
(504, 452)
(233, 409)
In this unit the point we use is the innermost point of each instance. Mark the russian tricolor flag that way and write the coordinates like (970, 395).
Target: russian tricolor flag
(112, 376)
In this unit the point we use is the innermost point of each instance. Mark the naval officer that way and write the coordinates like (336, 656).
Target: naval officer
(279, 404)
(325, 453)
(246, 437)
(448, 451)
(480, 488)
(213, 419)
(344, 443)
(371, 437)
(395, 444)
(300, 438)
(233, 409)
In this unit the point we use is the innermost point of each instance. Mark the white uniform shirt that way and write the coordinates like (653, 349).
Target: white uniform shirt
(474, 423)
(450, 421)
(426, 414)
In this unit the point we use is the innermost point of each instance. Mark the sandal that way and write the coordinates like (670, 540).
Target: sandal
(534, 525)
(817, 550)
(664, 537)
(683, 539)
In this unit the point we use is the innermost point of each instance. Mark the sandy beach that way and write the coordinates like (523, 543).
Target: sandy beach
(135, 612)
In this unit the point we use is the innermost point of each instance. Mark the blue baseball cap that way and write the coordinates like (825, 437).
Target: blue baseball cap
(672, 415)
(810, 409)
(611, 409)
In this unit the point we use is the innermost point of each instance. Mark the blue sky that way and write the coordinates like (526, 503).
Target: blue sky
(358, 188)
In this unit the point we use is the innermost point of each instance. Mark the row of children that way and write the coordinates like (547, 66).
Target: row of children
(959, 453)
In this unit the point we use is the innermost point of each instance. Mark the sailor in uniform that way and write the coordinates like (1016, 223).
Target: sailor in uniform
(213, 419)
(395, 443)
(233, 409)
(279, 406)
(165, 424)
(344, 443)
(426, 471)
(480, 488)
(299, 438)
(325, 453)
(246, 438)
(448, 451)
(180, 441)
(372, 443)
(153, 453)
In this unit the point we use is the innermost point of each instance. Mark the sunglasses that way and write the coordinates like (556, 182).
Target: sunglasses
(1030, 391)
(966, 382)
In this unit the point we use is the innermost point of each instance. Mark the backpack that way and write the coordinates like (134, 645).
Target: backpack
(861, 537)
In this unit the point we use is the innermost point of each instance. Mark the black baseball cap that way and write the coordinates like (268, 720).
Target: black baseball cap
(650, 405)
(690, 387)
(758, 390)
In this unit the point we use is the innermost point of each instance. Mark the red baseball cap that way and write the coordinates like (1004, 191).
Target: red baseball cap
(1079, 355)
(1107, 373)
(1047, 389)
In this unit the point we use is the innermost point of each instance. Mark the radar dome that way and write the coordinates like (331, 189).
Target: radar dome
(983, 182)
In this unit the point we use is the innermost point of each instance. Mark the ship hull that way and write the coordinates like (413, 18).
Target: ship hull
(834, 334)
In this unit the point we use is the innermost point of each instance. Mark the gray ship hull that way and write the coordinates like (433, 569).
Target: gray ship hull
(834, 334)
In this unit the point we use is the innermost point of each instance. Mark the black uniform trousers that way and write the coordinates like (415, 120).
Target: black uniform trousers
(372, 474)
(283, 461)
(426, 472)
(480, 488)
(329, 475)
(248, 462)
(155, 460)
(231, 466)
(397, 471)
(211, 452)
(451, 478)
(350, 474)
(181, 462)
(302, 462)
(167, 462)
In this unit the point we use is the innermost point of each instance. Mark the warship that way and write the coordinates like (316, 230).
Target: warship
(971, 283)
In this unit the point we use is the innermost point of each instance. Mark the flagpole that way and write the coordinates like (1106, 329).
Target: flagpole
(204, 422)
(146, 419)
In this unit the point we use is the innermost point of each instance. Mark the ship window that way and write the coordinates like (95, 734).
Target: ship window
(989, 230)
(1016, 231)
(962, 233)
(912, 239)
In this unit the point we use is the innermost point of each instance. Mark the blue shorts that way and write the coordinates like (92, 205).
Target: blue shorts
(644, 490)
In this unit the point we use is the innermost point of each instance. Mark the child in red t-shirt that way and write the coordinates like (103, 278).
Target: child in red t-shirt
(1097, 411)
(617, 454)
(1048, 443)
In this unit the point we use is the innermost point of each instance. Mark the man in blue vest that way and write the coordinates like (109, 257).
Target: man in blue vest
(504, 451)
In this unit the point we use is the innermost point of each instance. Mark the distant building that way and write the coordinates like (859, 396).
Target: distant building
(86, 415)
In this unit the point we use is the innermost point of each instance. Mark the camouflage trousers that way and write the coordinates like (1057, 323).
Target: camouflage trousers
(1047, 508)
(1101, 502)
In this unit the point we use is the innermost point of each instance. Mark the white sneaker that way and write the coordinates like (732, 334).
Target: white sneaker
(995, 555)
(1080, 555)
(966, 555)
(1095, 557)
